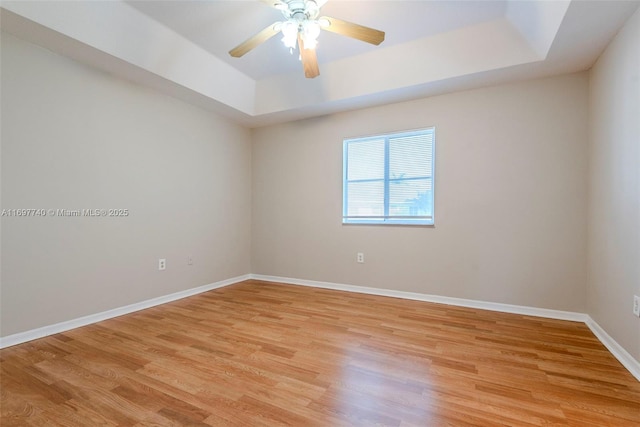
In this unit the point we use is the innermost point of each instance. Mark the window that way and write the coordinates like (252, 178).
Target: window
(388, 179)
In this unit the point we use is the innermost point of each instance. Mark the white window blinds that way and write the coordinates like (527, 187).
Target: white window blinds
(388, 179)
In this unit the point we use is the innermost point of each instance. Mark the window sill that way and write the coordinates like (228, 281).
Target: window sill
(416, 223)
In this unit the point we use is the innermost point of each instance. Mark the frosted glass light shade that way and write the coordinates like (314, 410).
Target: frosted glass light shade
(290, 34)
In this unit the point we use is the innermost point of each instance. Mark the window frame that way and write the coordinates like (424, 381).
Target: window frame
(387, 219)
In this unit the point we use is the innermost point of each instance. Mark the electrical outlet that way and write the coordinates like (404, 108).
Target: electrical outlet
(189, 260)
(360, 258)
(162, 264)
(636, 305)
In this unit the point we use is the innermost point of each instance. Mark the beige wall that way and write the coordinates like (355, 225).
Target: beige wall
(614, 188)
(73, 138)
(511, 168)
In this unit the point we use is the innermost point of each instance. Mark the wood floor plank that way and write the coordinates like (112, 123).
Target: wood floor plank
(266, 354)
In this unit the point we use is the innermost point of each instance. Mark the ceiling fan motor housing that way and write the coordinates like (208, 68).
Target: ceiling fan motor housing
(301, 10)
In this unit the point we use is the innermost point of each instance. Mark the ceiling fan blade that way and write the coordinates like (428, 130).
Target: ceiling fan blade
(352, 30)
(256, 40)
(309, 60)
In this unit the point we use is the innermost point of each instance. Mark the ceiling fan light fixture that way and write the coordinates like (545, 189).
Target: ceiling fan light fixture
(310, 33)
(290, 34)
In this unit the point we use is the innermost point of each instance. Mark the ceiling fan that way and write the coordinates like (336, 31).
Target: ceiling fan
(302, 27)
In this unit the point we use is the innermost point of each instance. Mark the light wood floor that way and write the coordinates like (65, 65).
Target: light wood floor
(256, 354)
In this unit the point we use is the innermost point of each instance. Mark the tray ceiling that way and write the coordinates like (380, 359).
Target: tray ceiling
(431, 47)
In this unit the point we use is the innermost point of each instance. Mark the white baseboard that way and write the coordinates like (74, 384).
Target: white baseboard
(616, 349)
(57, 328)
(484, 305)
(630, 363)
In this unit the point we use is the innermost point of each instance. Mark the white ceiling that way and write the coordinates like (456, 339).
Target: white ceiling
(431, 47)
